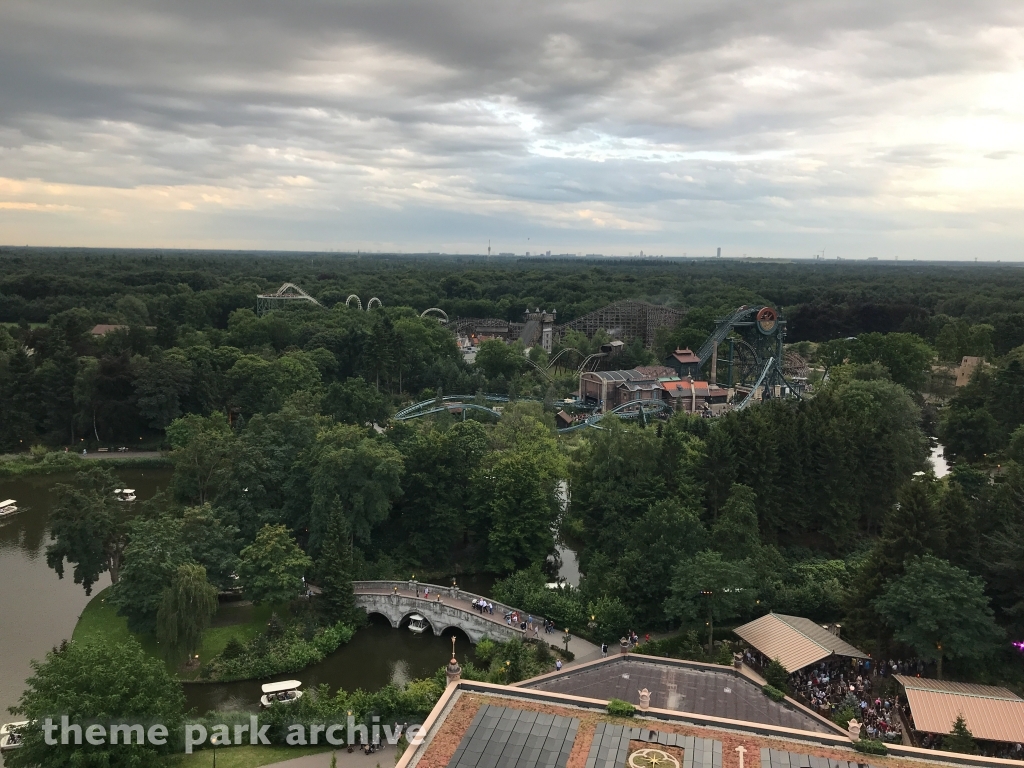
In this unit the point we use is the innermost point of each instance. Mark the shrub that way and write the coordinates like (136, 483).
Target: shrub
(871, 747)
(543, 654)
(485, 650)
(772, 692)
(233, 649)
(776, 675)
(620, 708)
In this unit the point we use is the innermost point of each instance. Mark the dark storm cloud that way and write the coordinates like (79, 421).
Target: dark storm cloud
(584, 121)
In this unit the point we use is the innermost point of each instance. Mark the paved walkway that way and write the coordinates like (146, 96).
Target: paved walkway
(385, 759)
(113, 454)
(581, 649)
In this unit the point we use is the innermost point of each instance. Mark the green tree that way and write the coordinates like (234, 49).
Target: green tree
(735, 532)
(907, 356)
(517, 507)
(162, 383)
(155, 550)
(89, 527)
(708, 587)
(434, 509)
(353, 401)
(272, 567)
(201, 450)
(960, 739)
(334, 572)
(186, 609)
(109, 682)
(496, 358)
(212, 542)
(940, 610)
(777, 675)
(354, 472)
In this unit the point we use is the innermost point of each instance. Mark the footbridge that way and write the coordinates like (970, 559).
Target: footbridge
(443, 608)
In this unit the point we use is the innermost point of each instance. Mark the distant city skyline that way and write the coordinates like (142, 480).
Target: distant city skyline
(774, 130)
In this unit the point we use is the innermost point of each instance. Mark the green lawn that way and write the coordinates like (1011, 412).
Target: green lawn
(241, 757)
(100, 621)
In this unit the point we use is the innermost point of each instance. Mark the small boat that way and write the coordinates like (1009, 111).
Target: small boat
(285, 692)
(124, 494)
(417, 624)
(10, 735)
(7, 507)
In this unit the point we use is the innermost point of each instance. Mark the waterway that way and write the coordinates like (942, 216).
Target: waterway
(937, 459)
(38, 610)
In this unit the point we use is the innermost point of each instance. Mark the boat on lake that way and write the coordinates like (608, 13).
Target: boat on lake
(417, 624)
(10, 735)
(124, 494)
(7, 507)
(284, 692)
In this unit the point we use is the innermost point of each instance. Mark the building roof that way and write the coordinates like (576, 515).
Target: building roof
(631, 375)
(685, 356)
(657, 371)
(515, 738)
(794, 641)
(991, 713)
(704, 689)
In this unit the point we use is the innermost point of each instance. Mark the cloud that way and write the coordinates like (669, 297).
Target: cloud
(777, 127)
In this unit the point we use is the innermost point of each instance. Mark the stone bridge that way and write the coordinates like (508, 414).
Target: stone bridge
(445, 608)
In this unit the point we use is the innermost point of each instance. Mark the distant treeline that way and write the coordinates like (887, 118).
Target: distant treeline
(822, 300)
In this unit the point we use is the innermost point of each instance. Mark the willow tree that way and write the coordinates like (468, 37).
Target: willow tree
(186, 610)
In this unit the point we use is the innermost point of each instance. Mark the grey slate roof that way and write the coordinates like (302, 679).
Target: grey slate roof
(503, 737)
(717, 692)
(774, 758)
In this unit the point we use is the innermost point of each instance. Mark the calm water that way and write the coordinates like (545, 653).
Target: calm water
(937, 459)
(376, 656)
(38, 610)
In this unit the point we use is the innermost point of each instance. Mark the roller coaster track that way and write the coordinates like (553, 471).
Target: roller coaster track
(760, 380)
(633, 410)
(287, 292)
(629, 410)
(721, 332)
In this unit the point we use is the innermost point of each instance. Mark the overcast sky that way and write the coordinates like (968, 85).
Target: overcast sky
(768, 128)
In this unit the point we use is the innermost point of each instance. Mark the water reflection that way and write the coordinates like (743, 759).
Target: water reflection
(937, 459)
(38, 610)
(376, 656)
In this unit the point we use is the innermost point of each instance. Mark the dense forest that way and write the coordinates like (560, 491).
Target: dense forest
(279, 429)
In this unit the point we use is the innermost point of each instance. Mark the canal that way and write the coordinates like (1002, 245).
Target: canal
(38, 610)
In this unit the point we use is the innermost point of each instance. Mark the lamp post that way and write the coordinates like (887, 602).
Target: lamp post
(566, 638)
(215, 742)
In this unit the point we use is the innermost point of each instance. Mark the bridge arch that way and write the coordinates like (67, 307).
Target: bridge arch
(404, 621)
(383, 615)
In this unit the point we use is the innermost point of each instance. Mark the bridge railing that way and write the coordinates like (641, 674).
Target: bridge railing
(455, 593)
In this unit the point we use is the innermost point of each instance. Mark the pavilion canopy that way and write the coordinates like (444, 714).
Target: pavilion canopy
(991, 713)
(796, 642)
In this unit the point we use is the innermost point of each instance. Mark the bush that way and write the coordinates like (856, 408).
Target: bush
(871, 747)
(772, 692)
(776, 675)
(485, 650)
(543, 653)
(264, 657)
(620, 708)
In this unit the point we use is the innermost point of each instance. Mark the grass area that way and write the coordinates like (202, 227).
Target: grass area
(99, 621)
(58, 462)
(241, 757)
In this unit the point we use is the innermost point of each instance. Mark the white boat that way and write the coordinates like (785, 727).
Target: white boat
(7, 507)
(417, 624)
(285, 692)
(10, 735)
(124, 494)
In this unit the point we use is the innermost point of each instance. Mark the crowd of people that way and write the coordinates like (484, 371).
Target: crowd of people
(829, 686)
